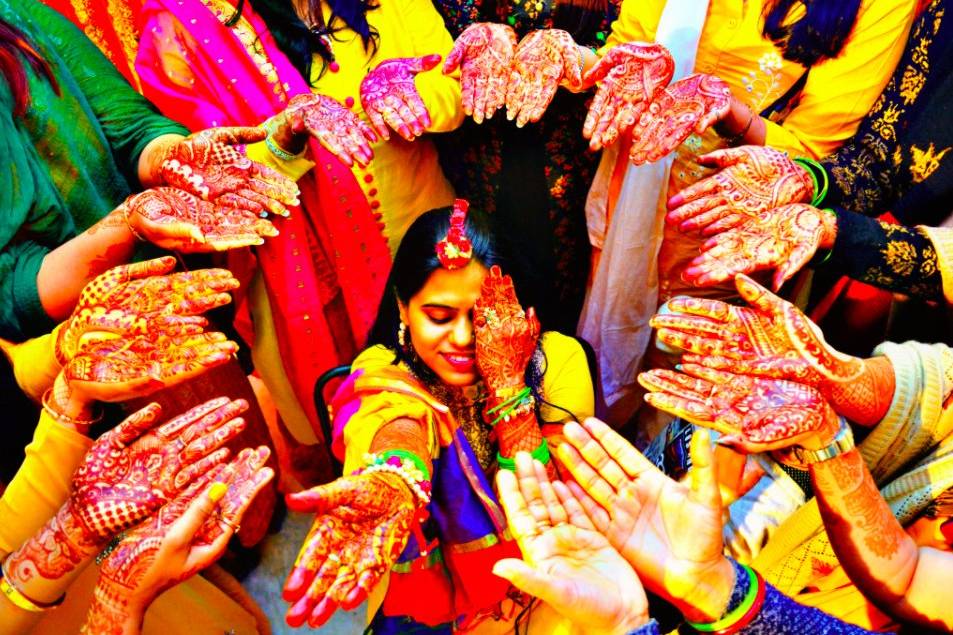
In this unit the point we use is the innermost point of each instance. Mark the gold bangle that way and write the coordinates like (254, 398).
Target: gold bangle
(21, 601)
(132, 230)
(59, 417)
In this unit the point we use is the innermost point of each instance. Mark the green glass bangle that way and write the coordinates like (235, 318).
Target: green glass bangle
(515, 399)
(818, 175)
(739, 612)
(410, 456)
(541, 454)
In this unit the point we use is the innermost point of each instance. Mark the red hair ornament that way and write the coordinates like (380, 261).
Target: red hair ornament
(455, 250)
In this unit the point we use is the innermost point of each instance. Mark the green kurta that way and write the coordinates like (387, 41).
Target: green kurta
(68, 163)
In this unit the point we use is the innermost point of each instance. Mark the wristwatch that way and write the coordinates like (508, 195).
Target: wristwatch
(843, 442)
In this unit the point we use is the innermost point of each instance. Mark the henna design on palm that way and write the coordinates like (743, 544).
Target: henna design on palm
(335, 127)
(390, 98)
(783, 239)
(755, 414)
(484, 55)
(544, 59)
(177, 220)
(689, 105)
(142, 298)
(750, 181)
(208, 164)
(361, 527)
(629, 77)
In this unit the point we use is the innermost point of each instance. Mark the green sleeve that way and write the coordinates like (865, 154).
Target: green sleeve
(21, 314)
(129, 121)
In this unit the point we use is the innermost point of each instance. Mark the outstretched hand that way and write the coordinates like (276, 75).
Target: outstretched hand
(783, 239)
(484, 54)
(361, 526)
(174, 219)
(689, 105)
(753, 413)
(544, 60)
(773, 338)
(506, 336)
(390, 98)
(629, 76)
(750, 180)
(566, 562)
(209, 165)
(668, 531)
(142, 298)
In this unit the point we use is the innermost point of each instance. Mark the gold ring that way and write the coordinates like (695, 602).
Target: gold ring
(235, 527)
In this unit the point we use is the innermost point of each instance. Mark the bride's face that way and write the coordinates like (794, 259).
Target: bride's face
(439, 321)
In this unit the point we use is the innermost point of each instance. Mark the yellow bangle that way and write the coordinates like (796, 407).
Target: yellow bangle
(21, 601)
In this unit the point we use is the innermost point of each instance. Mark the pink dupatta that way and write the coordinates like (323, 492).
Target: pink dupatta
(204, 74)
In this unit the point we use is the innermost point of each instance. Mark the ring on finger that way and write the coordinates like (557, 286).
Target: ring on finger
(235, 527)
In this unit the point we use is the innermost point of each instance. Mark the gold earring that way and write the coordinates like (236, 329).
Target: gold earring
(402, 335)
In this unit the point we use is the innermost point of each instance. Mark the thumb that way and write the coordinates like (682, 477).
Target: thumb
(756, 295)
(704, 480)
(599, 70)
(237, 134)
(197, 513)
(527, 579)
(424, 63)
(454, 58)
(723, 158)
(308, 501)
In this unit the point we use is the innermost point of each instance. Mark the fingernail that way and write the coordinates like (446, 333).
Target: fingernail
(217, 492)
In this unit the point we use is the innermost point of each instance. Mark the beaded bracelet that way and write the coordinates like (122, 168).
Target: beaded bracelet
(407, 465)
(80, 424)
(541, 454)
(20, 600)
(744, 613)
(818, 175)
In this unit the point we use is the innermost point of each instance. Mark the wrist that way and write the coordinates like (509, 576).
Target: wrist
(153, 156)
(113, 611)
(710, 598)
(736, 124)
(70, 408)
(817, 176)
(282, 134)
(828, 220)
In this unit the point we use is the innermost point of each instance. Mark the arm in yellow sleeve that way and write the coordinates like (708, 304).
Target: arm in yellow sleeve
(566, 382)
(34, 363)
(42, 484)
(426, 33)
(839, 92)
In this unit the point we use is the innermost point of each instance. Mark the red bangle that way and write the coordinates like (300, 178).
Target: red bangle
(752, 612)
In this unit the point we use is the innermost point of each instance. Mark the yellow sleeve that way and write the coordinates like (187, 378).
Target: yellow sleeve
(841, 91)
(294, 169)
(566, 382)
(942, 239)
(425, 31)
(34, 363)
(637, 22)
(376, 411)
(42, 484)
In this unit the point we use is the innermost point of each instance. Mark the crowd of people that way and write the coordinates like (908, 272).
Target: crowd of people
(610, 288)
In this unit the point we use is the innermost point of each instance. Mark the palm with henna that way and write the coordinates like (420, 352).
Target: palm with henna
(629, 76)
(544, 61)
(484, 54)
(210, 165)
(186, 535)
(783, 239)
(335, 127)
(687, 106)
(668, 531)
(750, 180)
(361, 525)
(772, 338)
(566, 562)
(390, 98)
(142, 298)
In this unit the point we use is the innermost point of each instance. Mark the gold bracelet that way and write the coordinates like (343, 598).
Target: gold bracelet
(59, 417)
(132, 230)
(21, 601)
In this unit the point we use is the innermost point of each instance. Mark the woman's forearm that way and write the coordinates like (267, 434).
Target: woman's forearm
(877, 554)
(69, 267)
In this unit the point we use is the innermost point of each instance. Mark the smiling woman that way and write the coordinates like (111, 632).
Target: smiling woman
(457, 380)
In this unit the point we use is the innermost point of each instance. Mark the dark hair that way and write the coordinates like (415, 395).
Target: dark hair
(817, 36)
(416, 259)
(301, 43)
(14, 49)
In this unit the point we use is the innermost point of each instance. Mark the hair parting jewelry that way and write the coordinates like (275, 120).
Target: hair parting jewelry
(455, 250)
